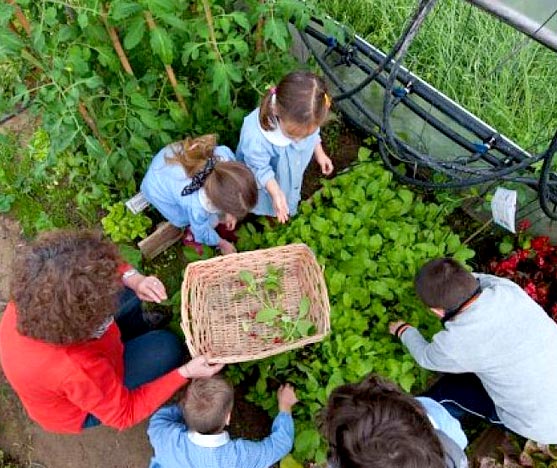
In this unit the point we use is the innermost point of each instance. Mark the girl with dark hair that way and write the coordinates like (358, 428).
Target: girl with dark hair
(197, 184)
(279, 138)
(75, 344)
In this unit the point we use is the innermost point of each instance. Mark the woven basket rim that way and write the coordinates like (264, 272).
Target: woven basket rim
(193, 278)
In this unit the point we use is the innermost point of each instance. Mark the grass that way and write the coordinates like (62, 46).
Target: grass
(492, 70)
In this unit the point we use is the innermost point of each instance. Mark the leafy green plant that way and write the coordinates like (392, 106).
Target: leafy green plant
(124, 226)
(268, 293)
(372, 236)
(109, 98)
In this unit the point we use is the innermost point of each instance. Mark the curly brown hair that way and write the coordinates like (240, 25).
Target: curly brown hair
(65, 285)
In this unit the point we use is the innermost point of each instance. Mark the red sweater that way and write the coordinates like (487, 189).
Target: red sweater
(60, 384)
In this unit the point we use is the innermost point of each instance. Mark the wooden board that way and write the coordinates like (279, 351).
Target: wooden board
(160, 240)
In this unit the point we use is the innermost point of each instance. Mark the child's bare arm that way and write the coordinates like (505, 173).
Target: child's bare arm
(280, 204)
(323, 160)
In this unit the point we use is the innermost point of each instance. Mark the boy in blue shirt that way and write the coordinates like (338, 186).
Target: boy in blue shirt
(192, 435)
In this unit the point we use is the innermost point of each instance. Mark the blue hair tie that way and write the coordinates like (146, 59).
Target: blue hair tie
(198, 179)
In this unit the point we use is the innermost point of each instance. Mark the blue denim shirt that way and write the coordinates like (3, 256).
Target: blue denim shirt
(162, 187)
(176, 447)
(286, 164)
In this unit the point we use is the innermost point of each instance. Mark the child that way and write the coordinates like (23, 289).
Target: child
(279, 138)
(193, 435)
(195, 183)
(372, 424)
(499, 346)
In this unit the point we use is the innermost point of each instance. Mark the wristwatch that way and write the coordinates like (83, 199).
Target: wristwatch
(129, 273)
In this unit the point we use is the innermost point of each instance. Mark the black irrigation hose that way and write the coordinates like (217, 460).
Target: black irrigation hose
(424, 91)
(424, 7)
(546, 194)
(392, 148)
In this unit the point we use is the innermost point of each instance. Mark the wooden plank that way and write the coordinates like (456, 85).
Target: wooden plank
(160, 240)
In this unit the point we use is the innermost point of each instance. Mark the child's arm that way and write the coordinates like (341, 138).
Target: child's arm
(280, 205)
(323, 160)
(436, 355)
(165, 426)
(277, 445)
(203, 231)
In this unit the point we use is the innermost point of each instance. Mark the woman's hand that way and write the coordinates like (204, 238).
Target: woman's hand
(198, 368)
(147, 288)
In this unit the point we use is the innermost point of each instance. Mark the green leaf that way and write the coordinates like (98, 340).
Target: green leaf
(94, 82)
(247, 278)
(162, 45)
(83, 20)
(290, 462)
(131, 255)
(241, 19)
(267, 315)
(305, 327)
(275, 31)
(6, 202)
(139, 100)
(304, 307)
(120, 9)
(406, 382)
(307, 441)
(134, 32)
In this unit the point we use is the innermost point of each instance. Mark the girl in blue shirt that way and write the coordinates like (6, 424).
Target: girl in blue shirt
(197, 184)
(278, 140)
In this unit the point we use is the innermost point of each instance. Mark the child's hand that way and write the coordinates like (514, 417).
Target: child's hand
(230, 221)
(226, 247)
(286, 397)
(280, 205)
(323, 160)
(325, 164)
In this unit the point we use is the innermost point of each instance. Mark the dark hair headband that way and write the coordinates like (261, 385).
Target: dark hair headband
(450, 313)
(198, 179)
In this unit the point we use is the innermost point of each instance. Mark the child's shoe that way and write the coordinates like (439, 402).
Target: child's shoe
(189, 241)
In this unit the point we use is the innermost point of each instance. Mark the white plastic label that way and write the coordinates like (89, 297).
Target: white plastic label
(503, 208)
(137, 203)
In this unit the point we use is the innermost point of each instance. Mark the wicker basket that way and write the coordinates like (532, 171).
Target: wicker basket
(214, 317)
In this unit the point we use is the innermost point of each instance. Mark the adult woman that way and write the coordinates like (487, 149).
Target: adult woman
(74, 343)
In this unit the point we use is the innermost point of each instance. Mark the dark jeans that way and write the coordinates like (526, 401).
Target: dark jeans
(148, 353)
(462, 394)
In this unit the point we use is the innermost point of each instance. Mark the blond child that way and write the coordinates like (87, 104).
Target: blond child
(192, 435)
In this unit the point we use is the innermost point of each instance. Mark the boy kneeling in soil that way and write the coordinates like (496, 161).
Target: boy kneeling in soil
(499, 349)
(192, 435)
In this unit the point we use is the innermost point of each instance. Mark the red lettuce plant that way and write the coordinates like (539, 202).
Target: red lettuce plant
(533, 266)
